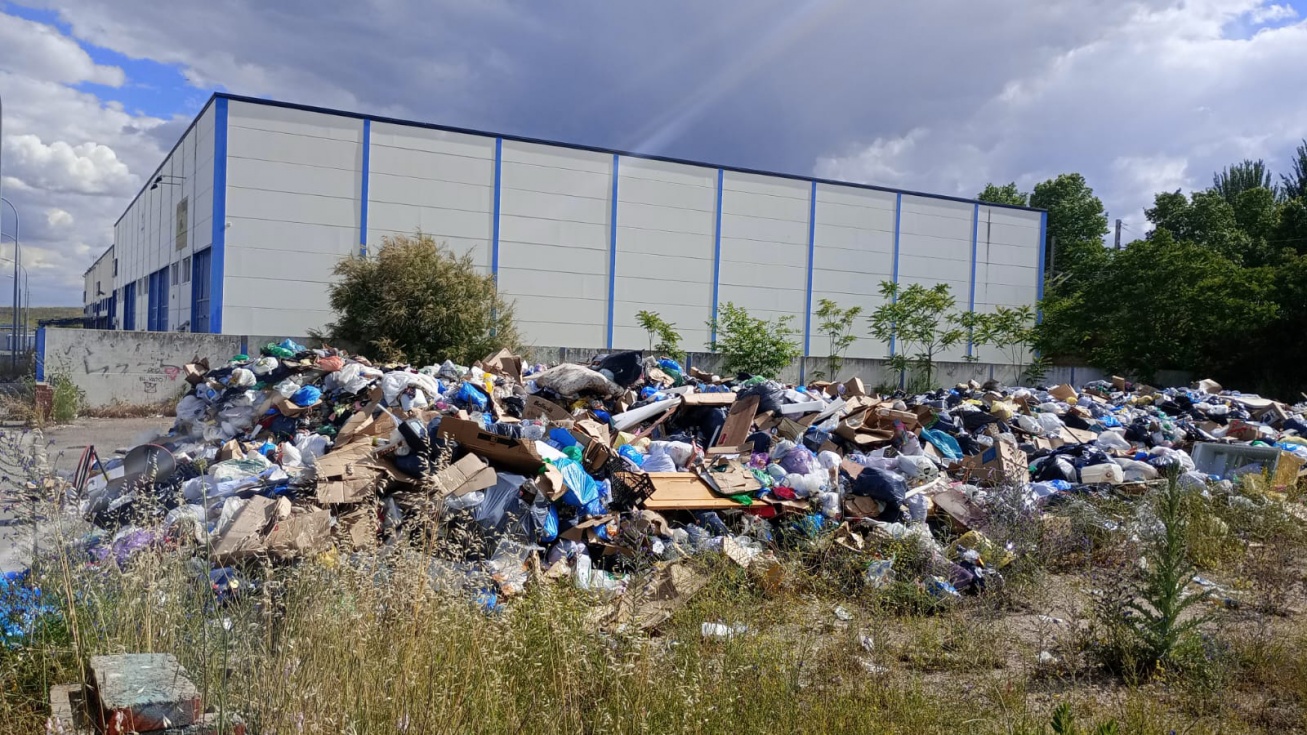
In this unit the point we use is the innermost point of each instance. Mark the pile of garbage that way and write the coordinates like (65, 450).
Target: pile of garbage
(510, 472)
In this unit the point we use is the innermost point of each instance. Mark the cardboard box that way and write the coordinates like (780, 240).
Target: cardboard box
(359, 527)
(195, 371)
(854, 387)
(1118, 382)
(467, 475)
(346, 475)
(739, 421)
(515, 455)
(858, 506)
(550, 482)
(1000, 464)
(300, 534)
(537, 407)
(287, 408)
(244, 537)
(504, 363)
(231, 449)
(957, 507)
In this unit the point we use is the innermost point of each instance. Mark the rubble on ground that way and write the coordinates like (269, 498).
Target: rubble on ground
(573, 471)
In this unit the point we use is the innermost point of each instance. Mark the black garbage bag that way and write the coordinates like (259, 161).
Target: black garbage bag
(974, 421)
(1140, 430)
(514, 406)
(771, 396)
(1054, 467)
(761, 442)
(815, 438)
(881, 485)
(626, 367)
(417, 463)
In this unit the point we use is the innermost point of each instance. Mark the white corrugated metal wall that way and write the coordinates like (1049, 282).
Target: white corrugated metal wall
(581, 239)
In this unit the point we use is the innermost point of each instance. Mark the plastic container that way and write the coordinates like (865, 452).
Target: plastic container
(1226, 460)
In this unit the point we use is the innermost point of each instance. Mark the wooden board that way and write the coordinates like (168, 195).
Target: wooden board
(684, 491)
(738, 422)
(709, 399)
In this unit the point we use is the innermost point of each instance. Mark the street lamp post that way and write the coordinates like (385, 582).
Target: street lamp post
(18, 259)
(26, 300)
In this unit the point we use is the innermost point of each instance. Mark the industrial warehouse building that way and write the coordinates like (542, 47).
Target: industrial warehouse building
(239, 229)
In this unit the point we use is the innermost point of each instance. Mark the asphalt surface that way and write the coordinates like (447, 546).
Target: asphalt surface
(26, 455)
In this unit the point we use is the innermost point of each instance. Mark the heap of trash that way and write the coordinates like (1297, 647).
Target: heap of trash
(575, 470)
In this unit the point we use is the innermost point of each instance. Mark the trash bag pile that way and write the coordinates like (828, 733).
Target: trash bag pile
(509, 472)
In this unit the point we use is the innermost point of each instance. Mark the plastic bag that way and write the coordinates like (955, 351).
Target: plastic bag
(947, 445)
(191, 408)
(469, 397)
(306, 396)
(884, 486)
(583, 491)
(624, 367)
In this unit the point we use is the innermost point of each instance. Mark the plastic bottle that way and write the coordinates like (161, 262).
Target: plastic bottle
(581, 571)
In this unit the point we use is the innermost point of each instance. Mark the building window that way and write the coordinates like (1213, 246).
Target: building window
(176, 279)
(182, 226)
(115, 267)
(186, 269)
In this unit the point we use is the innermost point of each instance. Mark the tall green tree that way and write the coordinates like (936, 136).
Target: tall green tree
(921, 322)
(753, 345)
(1077, 223)
(1005, 194)
(417, 301)
(1294, 185)
(1237, 178)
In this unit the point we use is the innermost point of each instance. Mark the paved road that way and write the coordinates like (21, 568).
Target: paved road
(26, 454)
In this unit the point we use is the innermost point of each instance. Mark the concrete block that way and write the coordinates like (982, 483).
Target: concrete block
(143, 692)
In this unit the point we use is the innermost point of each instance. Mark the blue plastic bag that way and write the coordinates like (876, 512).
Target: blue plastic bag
(306, 396)
(947, 445)
(292, 345)
(583, 491)
(471, 397)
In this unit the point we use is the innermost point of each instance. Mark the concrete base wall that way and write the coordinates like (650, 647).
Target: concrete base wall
(146, 367)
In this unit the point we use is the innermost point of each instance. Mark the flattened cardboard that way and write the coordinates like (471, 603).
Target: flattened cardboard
(300, 534)
(1118, 382)
(738, 422)
(1063, 392)
(537, 407)
(515, 455)
(359, 527)
(955, 505)
(467, 475)
(858, 506)
(244, 537)
(195, 371)
(346, 475)
(290, 409)
(668, 591)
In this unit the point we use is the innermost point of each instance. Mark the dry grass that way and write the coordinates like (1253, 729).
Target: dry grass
(366, 643)
(120, 410)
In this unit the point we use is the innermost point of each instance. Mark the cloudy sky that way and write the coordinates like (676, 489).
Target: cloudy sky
(936, 95)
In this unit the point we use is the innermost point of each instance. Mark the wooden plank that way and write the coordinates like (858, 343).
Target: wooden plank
(738, 422)
(684, 491)
(709, 399)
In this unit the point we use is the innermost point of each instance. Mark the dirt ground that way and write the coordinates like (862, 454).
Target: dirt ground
(64, 443)
(63, 446)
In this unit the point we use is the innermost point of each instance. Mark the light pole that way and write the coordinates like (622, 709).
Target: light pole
(27, 294)
(18, 260)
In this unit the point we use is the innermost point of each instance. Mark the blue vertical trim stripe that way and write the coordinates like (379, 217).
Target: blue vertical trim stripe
(812, 250)
(898, 220)
(612, 254)
(40, 353)
(717, 254)
(363, 195)
(975, 238)
(494, 224)
(1039, 273)
(217, 264)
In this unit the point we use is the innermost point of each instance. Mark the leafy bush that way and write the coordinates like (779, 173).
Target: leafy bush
(668, 340)
(418, 301)
(837, 325)
(752, 345)
(922, 323)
